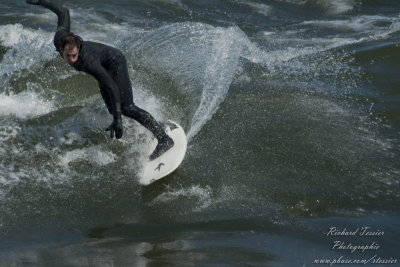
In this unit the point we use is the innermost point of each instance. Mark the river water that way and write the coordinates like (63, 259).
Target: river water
(292, 112)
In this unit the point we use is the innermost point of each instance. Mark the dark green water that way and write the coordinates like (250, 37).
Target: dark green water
(291, 107)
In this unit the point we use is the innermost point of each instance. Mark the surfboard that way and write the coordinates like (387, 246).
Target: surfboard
(166, 163)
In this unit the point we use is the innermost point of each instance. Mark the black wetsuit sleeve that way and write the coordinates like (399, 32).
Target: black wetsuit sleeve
(63, 24)
(64, 21)
(105, 81)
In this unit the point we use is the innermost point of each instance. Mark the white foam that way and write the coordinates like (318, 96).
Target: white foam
(12, 34)
(8, 177)
(200, 58)
(8, 131)
(71, 138)
(290, 44)
(24, 105)
(27, 47)
(201, 194)
(262, 9)
(394, 27)
(358, 24)
(92, 154)
(93, 26)
(43, 16)
(221, 66)
(88, 24)
(295, 2)
(339, 6)
(333, 7)
(146, 100)
(173, 2)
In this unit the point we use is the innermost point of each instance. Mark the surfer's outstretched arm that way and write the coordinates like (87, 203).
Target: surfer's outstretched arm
(62, 13)
(63, 24)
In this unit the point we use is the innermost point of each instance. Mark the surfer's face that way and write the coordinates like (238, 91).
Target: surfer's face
(70, 54)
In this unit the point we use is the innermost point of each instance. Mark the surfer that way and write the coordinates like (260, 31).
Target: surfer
(108, 66)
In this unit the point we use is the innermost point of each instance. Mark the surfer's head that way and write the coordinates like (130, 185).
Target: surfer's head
(69, 48)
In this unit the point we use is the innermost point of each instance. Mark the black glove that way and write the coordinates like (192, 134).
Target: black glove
(33, 2)
(116, 127)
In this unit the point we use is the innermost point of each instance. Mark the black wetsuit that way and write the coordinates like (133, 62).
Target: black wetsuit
(108, 66)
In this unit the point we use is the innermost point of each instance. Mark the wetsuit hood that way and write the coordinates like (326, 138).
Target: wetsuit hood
(58, 39)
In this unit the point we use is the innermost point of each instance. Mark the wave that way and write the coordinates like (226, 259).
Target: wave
(60, 141)
(302, 38)
(200, 58)
(24, 105)
(93, 154)
(331, 7)
(20, 42)
(262, 9)
(338, 6)
(203, 196)
(360, 24)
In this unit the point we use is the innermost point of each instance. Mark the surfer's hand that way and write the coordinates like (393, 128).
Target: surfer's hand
(116, 127)
(33, 2)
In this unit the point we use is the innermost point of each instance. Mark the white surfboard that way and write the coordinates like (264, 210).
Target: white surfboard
(170, 160)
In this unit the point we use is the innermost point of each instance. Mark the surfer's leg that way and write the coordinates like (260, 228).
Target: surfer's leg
(121, 77)
(144, 118)
(129, 109)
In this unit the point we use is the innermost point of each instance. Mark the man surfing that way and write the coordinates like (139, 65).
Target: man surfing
(108, 66)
